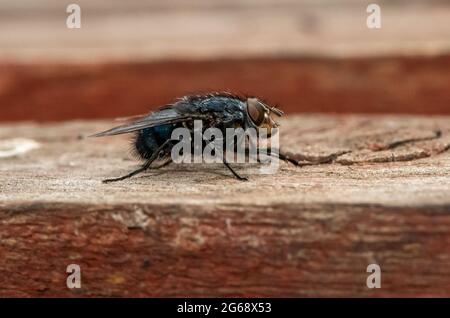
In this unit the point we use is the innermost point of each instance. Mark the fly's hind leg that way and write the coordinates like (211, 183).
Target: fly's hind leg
(133, 173)
(144, 167)
(168, 162)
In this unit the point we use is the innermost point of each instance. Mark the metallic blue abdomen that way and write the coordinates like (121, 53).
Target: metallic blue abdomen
(148, 140)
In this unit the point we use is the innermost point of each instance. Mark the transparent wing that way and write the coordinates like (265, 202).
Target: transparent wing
(128, 118)
(161, 117)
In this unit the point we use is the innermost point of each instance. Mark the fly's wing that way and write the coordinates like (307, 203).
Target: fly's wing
(161, 117)
(128, 118)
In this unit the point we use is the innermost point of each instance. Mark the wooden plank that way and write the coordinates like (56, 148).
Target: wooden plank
(192, 230)
(416, 85)
(143, 30)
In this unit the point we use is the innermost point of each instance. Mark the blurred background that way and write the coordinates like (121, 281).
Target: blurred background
(129, 57)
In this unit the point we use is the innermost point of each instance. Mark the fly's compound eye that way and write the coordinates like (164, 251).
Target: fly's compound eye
(256, 111)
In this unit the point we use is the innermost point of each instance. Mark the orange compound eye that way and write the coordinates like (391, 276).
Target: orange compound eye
(256, 111)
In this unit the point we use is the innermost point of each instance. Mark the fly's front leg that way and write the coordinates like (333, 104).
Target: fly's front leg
(287, 158)
(281, 155)
(311, 160)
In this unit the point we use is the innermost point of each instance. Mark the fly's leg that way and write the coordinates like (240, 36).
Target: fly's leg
(311, 161)
(234, 172)
(285, 157)
(162, 165)
(143, 168)
(228, 165)
(135, 172)
(281, 156)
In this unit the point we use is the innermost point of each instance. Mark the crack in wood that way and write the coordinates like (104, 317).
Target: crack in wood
(367, 144)
(398, 143)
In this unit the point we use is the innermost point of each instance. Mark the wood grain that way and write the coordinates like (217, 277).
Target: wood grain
(192, 230)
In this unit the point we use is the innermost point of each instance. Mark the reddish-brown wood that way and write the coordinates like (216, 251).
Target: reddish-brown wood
(416, 85)
(195, 231)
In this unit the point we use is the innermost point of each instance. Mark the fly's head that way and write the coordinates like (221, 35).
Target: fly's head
(262, 115)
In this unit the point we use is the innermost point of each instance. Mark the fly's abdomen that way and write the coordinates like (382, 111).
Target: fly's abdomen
(150, 139)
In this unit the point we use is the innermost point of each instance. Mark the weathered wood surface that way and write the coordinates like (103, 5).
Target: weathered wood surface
(383, 197)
